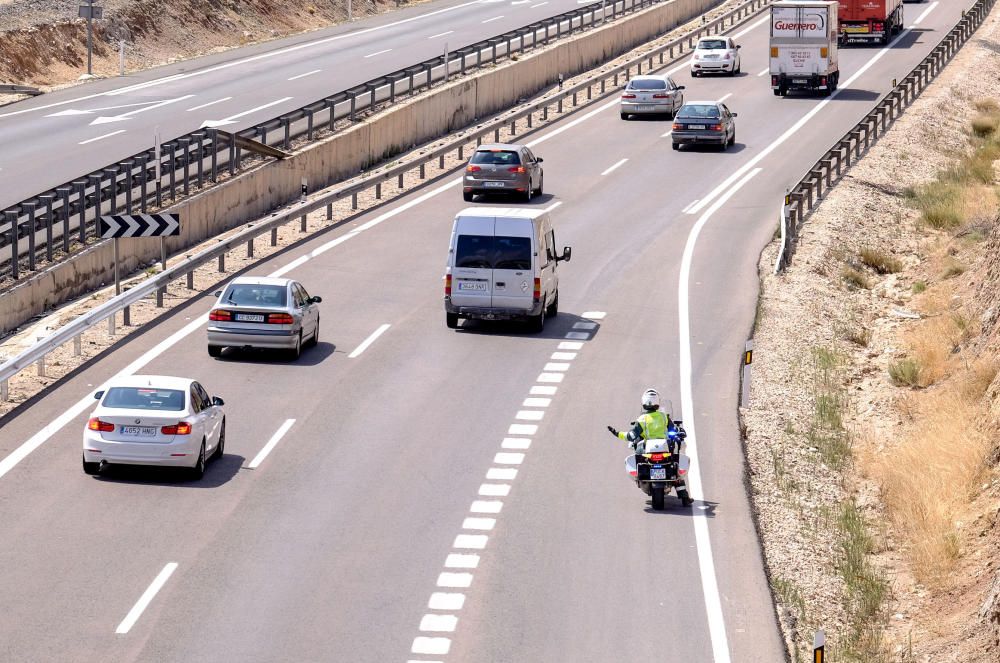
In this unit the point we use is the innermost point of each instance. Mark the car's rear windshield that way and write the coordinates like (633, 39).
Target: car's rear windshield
(699, 112)
(249, 294)
(647, 84)
(144, 398)
(484, 251)
(711, 44)
(496, 157)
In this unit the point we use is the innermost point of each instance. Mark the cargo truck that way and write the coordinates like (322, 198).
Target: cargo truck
(870, 21)
(804, 47)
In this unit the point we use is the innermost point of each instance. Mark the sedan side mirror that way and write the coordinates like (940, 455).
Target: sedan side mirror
(567, 254)
(734, 114)
(681, 87)
(315, 300)
(539, 159)
(218, 402)
(218, 293)
(738, 47)
(98, 395)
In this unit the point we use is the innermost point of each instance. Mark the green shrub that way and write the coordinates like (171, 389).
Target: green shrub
(919, 287)
(880, 261)
(905, 373)
(940, 204)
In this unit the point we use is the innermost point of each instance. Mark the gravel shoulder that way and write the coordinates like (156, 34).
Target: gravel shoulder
(821, 387)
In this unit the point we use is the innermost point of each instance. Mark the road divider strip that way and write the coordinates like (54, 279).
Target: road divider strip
(368, 341)
(271, 444)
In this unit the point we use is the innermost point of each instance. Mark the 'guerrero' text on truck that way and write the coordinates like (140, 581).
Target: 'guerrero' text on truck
(804, 47)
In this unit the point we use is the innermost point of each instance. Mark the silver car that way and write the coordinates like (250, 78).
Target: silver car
(651, 94)
(263, 312)
(704, 122)
(503, 168)
(715, 55)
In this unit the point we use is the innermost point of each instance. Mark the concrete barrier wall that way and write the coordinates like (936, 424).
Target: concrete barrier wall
(430, 116)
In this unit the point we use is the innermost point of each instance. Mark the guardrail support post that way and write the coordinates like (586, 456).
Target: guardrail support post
(126, 316)
(353, 97)
(112, 174)
(31, 236)
(64, 194)
(461, 152)
(378, 191)
(513, 129)
(4, 390)
(213, 134)
(77, 346)
(423, 174)
(128, 185)
(190, 279)
(274, 236)
(222, 262)
(159, 297)
(399, 180)
(302, 223)
(12, 220)
(354, 198)
(48, 226)
(329, 212)
(441, 162)
(111, 325)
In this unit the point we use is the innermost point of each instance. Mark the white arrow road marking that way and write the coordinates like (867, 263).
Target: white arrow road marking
(74, 111)
(232, 118)
(92, 140)
(125, 116)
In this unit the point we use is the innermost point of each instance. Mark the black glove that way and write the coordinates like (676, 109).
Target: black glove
(613, 431)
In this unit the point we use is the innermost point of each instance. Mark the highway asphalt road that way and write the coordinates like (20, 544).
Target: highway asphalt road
(49, 140)
(395, 519)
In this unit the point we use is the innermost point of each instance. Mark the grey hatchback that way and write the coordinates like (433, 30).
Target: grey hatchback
(503, 168)
(704, 122)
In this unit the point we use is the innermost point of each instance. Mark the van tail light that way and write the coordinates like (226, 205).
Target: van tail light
(279, 319)
(538, 289)
(180, 428)
(220, 315)
(447, 285)
(516, 169)
(100, 426)
(822, 80)
(774, 81)
(628, 96)
(682, 471)
(472, 169)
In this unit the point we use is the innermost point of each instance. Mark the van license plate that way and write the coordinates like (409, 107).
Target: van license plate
(658, 474)
(493, 185)
(800, 81)
(249, 317)
(472, 285)
(139, 431)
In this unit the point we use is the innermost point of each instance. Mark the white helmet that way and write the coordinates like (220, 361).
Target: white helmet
(650, 400)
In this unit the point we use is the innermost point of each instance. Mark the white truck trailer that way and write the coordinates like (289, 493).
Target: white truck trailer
(804, 46)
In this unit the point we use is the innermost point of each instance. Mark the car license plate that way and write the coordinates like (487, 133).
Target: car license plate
(658, 474)
(854, 28)
(493, 185)
(249, 317)
(696, 126)
(645, 108)
(138, 431)
(472, 285)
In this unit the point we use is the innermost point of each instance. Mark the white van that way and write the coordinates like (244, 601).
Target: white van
(502, 266)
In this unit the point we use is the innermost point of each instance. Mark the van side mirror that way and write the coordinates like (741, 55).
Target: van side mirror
(97, 396)
(738, 47)
(681, 87)
(734, 114)
(567, 253)
(218, 402)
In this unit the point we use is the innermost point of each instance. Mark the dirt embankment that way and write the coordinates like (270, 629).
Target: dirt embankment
(44, 44)
(874, 419)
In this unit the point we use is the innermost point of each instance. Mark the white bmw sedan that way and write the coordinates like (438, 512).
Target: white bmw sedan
(154, 420)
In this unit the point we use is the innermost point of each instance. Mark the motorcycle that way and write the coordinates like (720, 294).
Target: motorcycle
(659, 466)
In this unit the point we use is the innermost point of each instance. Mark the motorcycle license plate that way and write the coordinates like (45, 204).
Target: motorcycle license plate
(658, 474)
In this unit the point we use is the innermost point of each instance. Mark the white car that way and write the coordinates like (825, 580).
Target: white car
(715, 54)
(154, 420)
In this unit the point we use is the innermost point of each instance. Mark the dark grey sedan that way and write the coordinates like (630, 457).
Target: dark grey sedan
(704, 122)
(503, 168)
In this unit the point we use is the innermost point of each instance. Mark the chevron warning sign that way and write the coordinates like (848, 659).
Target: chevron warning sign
(140, 225)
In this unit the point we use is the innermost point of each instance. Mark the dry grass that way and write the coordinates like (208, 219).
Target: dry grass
(880, 261)
(987, 105)
(985, 125)
(939, 204)
(929, 477)
(854, 278)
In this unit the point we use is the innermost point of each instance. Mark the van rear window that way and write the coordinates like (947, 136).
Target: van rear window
(496, 157)
(485, 252)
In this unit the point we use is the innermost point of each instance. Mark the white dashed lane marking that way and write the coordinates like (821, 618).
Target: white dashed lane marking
(550, 377)
(501, 474)
(439, 623)
(539, 390)
(529, 415)
(461, 561)
(486, 506)
(556, 366)
(494, 490)
(515, 443)
(536, 402)
(506, 458)
(484, 524)
(457, 580)
(431, 645)
(522, 429)
(577, 336)
(446, 601)
(563, 356)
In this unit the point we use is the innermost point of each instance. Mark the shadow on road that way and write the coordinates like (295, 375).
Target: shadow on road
(217, 472)
(309, 357)
(555, 328)
(673, 508)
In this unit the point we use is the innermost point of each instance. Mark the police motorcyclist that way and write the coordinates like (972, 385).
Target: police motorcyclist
(652, 424)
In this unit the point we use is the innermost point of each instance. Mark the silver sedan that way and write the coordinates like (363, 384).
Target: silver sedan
(263, 312)
(651, 94)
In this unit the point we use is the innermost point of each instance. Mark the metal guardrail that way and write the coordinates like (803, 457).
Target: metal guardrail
(19, 89)
(583, 93)
(64, 218)
(805, 195)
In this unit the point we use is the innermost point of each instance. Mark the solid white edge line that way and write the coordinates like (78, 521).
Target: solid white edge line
(147, 596)
(924, 14)
(273, 442)
(791, 131)
(614, 166)
(703, 542)
(92, 140)
(368, 341)
(308, 73)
